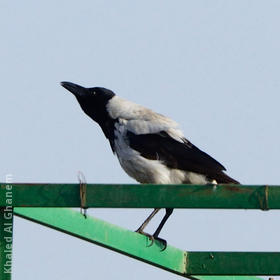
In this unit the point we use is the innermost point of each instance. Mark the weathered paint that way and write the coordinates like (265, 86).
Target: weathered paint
(146, 196)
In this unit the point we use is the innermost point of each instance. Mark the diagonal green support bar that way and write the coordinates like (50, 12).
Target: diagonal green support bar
(145, 196)
(135, 245)
(107, 235)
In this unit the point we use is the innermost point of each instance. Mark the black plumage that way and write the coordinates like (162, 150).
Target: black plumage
(150, 147)
(177, 155)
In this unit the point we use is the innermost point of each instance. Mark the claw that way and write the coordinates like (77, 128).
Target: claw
(148, 235)
(162, 242)
(153, 238)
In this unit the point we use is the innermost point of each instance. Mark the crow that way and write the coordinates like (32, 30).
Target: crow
(150, 147)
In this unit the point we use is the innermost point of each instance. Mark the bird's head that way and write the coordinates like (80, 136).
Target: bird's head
(93, 101)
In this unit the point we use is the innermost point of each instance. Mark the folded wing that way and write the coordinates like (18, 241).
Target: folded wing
(178, 155)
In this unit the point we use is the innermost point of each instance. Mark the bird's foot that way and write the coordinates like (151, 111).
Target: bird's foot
(152, 238)
(162, 242)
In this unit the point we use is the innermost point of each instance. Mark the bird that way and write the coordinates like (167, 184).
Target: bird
(150, 147)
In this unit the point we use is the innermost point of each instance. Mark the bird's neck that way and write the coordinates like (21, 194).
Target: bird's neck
(107, 127)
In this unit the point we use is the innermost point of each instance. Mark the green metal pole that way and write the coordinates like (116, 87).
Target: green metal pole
(145, 196)
(6, 242)
(233, 263)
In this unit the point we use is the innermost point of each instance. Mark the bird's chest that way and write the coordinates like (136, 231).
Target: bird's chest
(131, 161)
(129, 158)
(141, 169)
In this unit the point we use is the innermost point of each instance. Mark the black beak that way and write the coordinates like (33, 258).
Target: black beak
(75, 89)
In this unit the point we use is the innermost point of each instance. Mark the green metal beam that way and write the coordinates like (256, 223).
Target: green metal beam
(135, 245)
(6, 242)
(232, 263)
(145, 196)
(107, 235)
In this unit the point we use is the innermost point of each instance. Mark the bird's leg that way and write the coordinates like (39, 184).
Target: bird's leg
(141, 228)
(162, 223)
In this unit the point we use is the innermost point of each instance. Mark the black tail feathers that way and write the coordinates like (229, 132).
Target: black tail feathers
(223, 178)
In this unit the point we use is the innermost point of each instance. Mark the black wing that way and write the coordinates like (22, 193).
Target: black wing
(183, 156)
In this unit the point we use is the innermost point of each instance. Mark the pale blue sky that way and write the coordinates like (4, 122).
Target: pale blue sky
(213, 66)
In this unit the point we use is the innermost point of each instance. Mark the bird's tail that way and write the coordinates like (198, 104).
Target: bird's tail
(225, 179)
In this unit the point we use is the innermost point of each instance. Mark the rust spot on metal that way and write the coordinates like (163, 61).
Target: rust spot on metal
(260, 196)
(236, 188)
